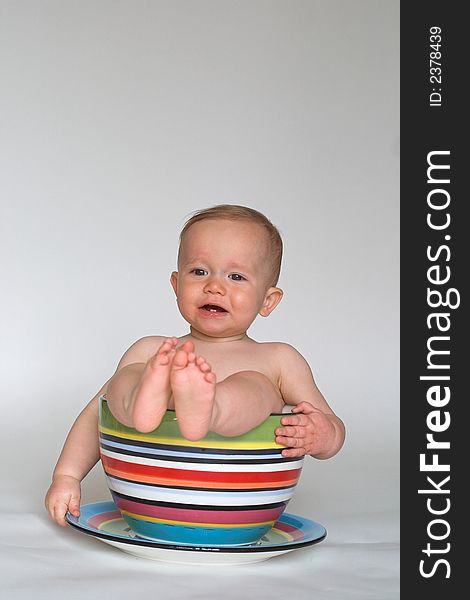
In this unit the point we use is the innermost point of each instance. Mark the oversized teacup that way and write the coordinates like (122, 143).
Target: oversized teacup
(216, 491)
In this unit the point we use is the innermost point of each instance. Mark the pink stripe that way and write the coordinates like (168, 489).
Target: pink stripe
(100, 518)
(290, 529)
(200, 516)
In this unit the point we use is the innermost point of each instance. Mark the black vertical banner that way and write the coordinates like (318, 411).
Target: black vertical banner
(434, 293)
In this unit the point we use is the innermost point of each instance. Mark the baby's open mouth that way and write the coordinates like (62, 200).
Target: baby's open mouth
(213, 308)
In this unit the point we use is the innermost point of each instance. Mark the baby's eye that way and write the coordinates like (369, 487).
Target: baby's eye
(236, 277)
(199, 272)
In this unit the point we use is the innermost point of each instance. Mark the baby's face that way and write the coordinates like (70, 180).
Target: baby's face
(223, 278)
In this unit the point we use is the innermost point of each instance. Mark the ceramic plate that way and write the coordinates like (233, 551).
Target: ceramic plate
(103, 521)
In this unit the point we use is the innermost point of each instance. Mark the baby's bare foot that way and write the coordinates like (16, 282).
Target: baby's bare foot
(153, 392)
(193, 385)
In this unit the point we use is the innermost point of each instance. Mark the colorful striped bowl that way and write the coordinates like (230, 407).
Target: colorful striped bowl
(216, 491)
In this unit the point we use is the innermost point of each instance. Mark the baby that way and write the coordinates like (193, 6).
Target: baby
(216, 378)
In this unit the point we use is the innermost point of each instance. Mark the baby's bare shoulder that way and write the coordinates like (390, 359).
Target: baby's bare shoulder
(142, 350)
(149, 342)
(280, 350)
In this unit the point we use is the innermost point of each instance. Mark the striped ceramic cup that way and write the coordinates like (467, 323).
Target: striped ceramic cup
(216, 491)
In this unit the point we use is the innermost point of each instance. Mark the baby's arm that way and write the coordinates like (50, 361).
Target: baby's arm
(81, 449)
(79, 454)
(314, 428)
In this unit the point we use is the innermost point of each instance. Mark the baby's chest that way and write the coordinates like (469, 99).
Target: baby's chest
(224, 366)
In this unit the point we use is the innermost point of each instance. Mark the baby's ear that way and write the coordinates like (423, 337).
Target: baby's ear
(174, 281)
(271, 300)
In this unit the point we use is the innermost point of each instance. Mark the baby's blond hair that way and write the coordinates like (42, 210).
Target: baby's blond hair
(235, 212)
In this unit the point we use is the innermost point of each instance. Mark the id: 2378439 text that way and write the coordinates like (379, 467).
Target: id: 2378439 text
(435, 66)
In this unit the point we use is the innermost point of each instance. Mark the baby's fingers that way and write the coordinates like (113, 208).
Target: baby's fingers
(74, 507)
(290, 442)
(296, 420)
(294, 452)
(58, 513)
(304, 407)
(292, 431)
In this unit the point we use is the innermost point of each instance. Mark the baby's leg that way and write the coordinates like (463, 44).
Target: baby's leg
(231, 407)
(193, 385)
(243, 401)
(153, 391)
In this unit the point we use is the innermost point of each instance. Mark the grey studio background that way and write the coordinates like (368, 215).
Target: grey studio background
(120, 118)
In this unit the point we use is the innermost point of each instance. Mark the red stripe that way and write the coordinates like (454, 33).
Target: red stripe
(138, 472)
(196, 484)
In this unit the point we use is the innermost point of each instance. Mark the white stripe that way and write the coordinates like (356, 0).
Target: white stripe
(217, 468)
(211, 498)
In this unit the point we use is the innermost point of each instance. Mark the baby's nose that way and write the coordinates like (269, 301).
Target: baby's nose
(214, 285)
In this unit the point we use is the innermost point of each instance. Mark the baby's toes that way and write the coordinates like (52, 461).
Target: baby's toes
(205, 367)
(187, 346)
(210, 377)
(166, 347)
(180, 359)
(202, 364)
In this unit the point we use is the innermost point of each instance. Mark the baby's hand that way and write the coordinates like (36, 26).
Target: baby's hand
(62, 496)
(308, 431)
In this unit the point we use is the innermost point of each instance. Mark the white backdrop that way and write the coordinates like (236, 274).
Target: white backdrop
(118, 119)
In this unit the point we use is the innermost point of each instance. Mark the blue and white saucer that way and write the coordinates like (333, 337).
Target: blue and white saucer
(103, 521)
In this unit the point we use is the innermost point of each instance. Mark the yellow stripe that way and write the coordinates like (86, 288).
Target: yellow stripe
(190, 524)
(106, 523)
(284, 534)
(184, 442)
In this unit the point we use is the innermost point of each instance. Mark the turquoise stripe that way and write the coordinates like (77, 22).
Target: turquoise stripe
(201, 536)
